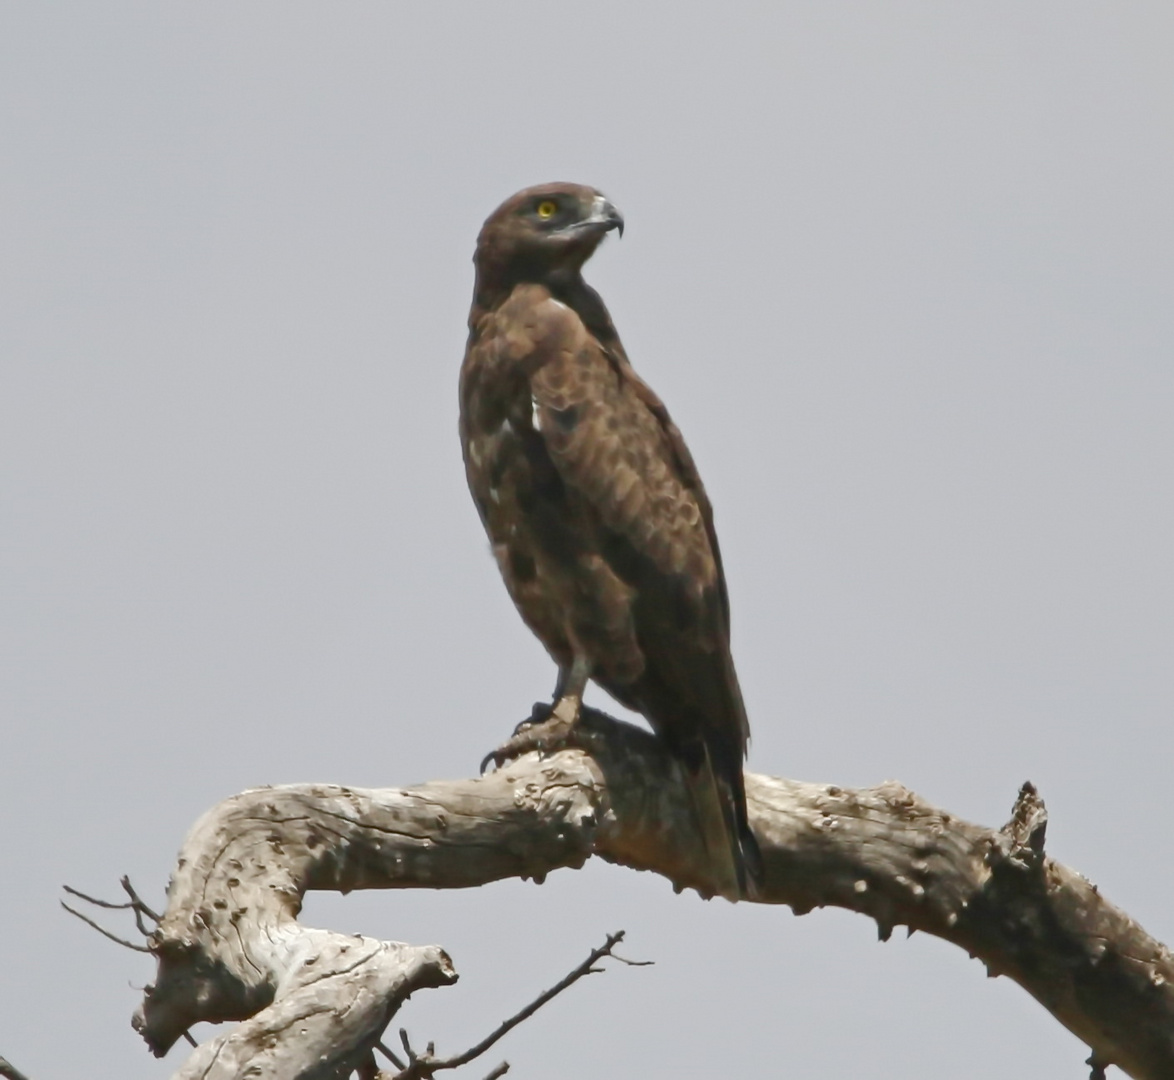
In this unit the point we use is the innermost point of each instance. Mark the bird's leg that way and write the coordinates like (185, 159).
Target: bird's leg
(550, 727)
(568, 691)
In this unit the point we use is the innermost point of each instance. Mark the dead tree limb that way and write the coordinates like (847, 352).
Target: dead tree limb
(314, 1003)
(423, 1066)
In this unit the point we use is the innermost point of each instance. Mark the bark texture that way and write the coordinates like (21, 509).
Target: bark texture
(313, 1002)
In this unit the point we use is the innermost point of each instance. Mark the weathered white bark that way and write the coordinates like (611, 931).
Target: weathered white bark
(313, 1002)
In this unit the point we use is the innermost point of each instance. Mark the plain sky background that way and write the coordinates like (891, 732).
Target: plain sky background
(904, 275)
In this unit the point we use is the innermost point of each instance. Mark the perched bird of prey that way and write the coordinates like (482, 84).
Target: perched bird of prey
(597, 517)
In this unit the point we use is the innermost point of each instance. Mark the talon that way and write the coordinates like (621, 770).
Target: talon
(518, 744)
(546, 732)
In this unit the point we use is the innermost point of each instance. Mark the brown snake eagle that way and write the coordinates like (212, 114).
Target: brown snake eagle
(598, 519)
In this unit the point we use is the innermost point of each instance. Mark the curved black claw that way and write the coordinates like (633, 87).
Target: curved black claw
(515, 746)
(545, 732)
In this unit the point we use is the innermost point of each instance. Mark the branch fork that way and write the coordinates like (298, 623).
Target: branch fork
(313, 1003)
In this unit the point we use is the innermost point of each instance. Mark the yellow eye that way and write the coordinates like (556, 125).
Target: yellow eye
(547, 209)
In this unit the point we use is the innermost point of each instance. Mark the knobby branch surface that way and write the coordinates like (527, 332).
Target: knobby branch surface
(313, 1003)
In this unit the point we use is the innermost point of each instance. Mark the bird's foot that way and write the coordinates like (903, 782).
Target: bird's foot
(539, 714)
(547, 730)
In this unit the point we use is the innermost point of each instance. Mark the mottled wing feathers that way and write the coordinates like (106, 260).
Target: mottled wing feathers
(610, 446)
(685, 468)
(612, 443)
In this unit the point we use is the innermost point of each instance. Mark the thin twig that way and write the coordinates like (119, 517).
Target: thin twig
(103, 931)
(387, 1053)
(95, 901)
(10, 1072)
(421, 1067)
(136, 904)
(403, 1038)
(632, 963)
(140, 905)
(500, 1071)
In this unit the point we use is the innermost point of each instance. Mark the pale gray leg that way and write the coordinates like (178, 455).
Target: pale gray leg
(568, 691)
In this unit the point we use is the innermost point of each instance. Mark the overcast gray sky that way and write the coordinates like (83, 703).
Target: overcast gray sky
(902, 272)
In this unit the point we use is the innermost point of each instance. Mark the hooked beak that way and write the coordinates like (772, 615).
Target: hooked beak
(603, 218)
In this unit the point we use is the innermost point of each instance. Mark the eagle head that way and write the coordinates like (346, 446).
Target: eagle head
(544, 230)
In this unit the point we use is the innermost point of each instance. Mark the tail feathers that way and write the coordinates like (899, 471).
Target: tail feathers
(748, 856)
(719, 803)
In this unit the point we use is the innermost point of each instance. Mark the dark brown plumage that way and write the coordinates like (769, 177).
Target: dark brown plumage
(600, 524)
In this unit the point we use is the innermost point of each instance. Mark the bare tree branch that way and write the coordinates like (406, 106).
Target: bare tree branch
(102, 930)
(229, 946)
(108, 904)
(11, 1072)
(135, 904)
(393, 1058)
(421, 1067)
(140, 907)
